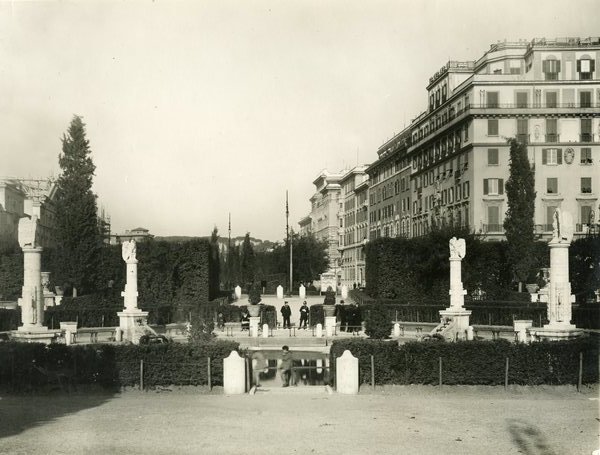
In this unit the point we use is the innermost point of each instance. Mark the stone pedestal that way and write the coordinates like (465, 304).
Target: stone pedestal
(254, 322)
(70, 330)
(521, 327)
(330, 325)
(280, 292)
(132, 324)
(396, 332)
(265, 329)
(346, 374)
(302, 292)
(460, 322)
(234, 374)
(470, 335)
(319, 330)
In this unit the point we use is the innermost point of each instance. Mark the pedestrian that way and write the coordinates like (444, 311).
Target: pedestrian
(286, 312)
(245, 320)
(304, 314)
(286, 366)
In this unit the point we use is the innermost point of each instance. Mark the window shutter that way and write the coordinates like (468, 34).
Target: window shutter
(579, 66)
(557, 66)
(500, 186)
(559, 156)
(592, 65)
(485, 186)
(544, 156)
(545, 66)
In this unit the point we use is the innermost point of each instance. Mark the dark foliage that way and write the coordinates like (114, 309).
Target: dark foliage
(378, 324)
(472, 362)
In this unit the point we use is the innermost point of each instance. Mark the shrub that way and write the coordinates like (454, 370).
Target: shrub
(473, 362)
(316, 315)
(254, 295)
(329, 296)
(378, 323)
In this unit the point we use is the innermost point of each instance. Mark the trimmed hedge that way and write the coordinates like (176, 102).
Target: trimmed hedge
(113, 366)
(472, 362)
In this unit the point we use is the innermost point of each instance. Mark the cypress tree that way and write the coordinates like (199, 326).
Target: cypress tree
(248, 260)
(78, 237)
(518, 224)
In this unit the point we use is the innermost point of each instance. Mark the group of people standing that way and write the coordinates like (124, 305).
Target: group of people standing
(286, 313)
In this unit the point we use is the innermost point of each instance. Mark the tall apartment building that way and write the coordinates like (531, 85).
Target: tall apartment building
(354, 226)
(546, 93)
(325, 222)
(389, 189)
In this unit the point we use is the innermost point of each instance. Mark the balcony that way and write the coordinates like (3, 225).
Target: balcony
(586, 137)
(552, 137)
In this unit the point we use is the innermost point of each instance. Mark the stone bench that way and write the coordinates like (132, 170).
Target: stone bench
(93, 332)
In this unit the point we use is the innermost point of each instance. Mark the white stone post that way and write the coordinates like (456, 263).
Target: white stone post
(254, 322)
(319, 330)
(265, 328)
(70, 329)
(302, 292)
(238, 292)
(396, 330)
(330, 325)
(346, 374)
(280, 292)
(234, 374)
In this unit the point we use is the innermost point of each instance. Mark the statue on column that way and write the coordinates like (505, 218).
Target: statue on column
(27, 232)
(562, 227)
(458, 248)
(128, 250)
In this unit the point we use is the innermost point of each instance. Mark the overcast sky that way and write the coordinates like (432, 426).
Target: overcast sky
(198, 109)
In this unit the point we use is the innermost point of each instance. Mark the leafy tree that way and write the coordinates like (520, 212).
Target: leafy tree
(247, 260)
(78, 237)
(518, 224)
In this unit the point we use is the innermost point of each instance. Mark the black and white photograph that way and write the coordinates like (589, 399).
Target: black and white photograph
(305, 227)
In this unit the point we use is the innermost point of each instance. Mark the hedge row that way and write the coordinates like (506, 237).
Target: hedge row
(113, 366)
(472, 362)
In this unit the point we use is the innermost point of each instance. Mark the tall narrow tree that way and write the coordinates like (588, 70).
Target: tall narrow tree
(77, 232)
(518, 224)
(247, 260)
(214, 265)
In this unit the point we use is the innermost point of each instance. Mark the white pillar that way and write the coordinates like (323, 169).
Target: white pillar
(319, 330)
(346, 374)
(396, 330)
(234, 374)
(265, 328)
(329, 325)
(280, 292)
(344, 291)
(238, 292)
(32, 300)
(254, 322)
(131, 293)
(302, 291)
(559, 298)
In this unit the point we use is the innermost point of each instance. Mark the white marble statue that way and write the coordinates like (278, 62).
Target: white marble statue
(562, 226)
(27, 232)
(128, 249)
(458, 248)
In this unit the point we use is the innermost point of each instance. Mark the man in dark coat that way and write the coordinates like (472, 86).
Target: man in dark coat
(303, 315)
(286, 312)
(286, 366)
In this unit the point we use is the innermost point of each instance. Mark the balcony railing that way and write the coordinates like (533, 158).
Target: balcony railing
(586, 137)
(489, 228)
(552, 137)
(535, 105)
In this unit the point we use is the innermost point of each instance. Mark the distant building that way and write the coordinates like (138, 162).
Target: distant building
(28, 197)
(138, 234)
(354, 226)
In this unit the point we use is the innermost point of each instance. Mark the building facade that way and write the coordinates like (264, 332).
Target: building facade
(138, 234)
(354, 226)
(545, 93)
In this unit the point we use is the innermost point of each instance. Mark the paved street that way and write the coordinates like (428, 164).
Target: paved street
(393, 420)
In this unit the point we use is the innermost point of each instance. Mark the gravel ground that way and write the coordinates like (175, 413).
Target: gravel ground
(388, 420)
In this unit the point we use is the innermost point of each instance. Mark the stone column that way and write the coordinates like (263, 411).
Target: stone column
(238, 292)
(32, 300)
(302, 292)
(280, 292)
(132, 320)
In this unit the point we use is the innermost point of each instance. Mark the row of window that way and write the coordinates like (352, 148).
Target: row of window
(491, 99)
(585, 185)
(552, 135)
(455, 194)
(585, 68)
(551, 156)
